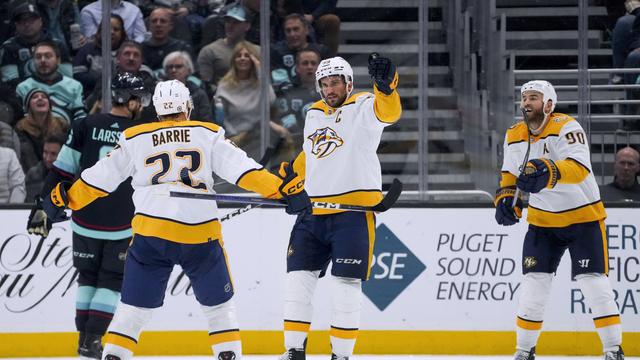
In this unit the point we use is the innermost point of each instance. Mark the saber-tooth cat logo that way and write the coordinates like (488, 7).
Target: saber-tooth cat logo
(324, 141)
(394, 268)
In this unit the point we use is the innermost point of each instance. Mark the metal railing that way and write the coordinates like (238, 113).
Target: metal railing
(609, 143)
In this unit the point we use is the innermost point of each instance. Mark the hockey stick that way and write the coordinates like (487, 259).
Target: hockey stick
(385, 204)
(526, 155)
(264, 160)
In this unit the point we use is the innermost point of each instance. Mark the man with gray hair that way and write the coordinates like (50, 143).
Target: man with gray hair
(178, 66)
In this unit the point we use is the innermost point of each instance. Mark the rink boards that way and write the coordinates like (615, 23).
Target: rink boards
(443, 281)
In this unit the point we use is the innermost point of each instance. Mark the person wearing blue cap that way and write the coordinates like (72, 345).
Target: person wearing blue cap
(214, 59)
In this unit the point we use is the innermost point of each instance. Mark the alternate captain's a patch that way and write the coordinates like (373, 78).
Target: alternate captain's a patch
(324, 141)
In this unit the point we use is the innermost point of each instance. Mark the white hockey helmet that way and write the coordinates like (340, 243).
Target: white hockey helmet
(334, 66)
(545, 88)
(172, 97)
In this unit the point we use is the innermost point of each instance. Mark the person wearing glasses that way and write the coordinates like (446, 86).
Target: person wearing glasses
(179, 66)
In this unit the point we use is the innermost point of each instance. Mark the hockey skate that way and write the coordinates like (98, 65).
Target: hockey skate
(614, 355)
(336, 357)
(294, 354)
(91, 346)
(525, 355)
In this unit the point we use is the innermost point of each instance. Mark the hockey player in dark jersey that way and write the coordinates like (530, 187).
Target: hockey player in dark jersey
(102, 230)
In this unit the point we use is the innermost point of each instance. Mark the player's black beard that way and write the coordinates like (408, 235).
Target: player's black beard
(535, 119)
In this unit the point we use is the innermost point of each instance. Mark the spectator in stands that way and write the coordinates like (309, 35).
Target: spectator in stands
(321, 15)
(57, 18)
(38, 123)
(179, 66)
(9, 138)
(11, 177)
(295, 100)
(87, 64)
(17, 52)
(129, 58)
(214, 59)
(625, 185)
(34, 180)
(6, 27)
(621, 40)
(240, 93)
(65, 93)
(91, 16)
(187, 16)
(160, 43)
(283, 53)
(10, 106)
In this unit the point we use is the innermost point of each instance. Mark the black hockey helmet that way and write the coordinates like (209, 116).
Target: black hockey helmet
(125, 86)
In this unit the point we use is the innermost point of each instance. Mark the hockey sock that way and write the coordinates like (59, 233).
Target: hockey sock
(298, 309)
(224, 332)
(346, 303)
(122, 337)
(83, 302)
(598, 294)
(535, 289)
(103, 305)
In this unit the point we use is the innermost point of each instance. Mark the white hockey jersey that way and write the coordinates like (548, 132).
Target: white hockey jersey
(576, 197)
(339, 150)
(167, 156)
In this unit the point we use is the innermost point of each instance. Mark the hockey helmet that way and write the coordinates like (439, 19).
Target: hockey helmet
(125, 86)
(334, 66)
(545, 88)
(172, 97)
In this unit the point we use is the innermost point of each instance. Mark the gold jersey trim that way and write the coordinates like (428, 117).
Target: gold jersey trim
(262, 182)
(173, 230)
(219, 337)
(154, 126)
(528, 324)
(585, 213)
(605, 321)
(121, 340)
(82, 193)
(342, 333)
(293, 325)
(321, 105)
(518, 132)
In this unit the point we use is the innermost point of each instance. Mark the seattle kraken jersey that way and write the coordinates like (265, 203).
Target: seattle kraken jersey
(166, 156)
(90, 140)
(576, 197)
(339, 149)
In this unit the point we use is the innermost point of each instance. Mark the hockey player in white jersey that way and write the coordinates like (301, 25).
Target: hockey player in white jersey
(340, 165)
(565, 212)
(173, 154)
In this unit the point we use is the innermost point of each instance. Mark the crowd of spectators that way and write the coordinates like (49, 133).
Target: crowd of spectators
(51, 67)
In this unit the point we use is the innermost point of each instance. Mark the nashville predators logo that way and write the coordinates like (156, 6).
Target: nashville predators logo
(324, 142)
(530, 261)
(290, 250)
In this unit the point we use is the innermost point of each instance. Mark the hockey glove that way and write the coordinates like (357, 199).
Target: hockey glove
(38, 223)
(292, 190)
(383, 73)
(538, 174)
(56, 202)
(506, 213)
